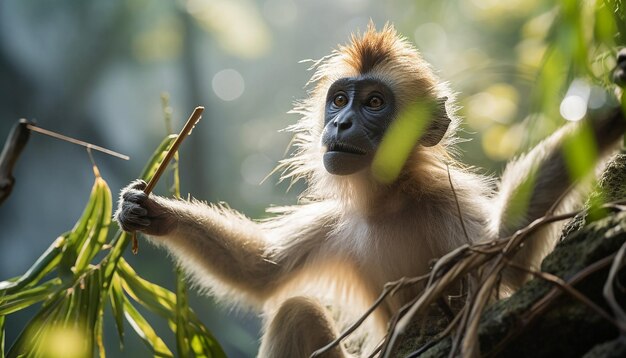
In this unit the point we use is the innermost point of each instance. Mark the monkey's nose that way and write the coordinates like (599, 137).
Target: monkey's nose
(343, 124)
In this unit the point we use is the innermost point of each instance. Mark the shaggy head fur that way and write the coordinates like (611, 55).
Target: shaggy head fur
(388, 57)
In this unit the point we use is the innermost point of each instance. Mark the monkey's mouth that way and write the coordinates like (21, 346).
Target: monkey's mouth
(345, 148)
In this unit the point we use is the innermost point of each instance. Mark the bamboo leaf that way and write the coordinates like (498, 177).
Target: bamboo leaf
(116, 296)
(400, 140)
(2, 321)
(26, 298)
(99, 332)
(157, 157)
(82, 230)
(145, 331)
(73, 304)
(44, 264)
(109, 263)
(203, 344)
(604, 25)
(100, 229)
(155, 298)
(182, 316)
(163, 302)
(65, 325)
(29, 338)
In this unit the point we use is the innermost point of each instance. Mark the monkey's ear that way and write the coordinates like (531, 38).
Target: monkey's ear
(438, 126)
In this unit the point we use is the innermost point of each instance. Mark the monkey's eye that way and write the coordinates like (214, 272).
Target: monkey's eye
(375, 102)
(340, 100)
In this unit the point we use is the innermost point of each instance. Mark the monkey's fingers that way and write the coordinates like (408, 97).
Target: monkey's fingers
(137, 184)
(132, 217)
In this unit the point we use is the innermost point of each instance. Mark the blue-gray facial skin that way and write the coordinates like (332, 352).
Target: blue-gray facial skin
(358, 112)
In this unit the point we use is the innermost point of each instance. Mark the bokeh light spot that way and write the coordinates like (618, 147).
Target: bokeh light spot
(573, 108)
(228, 85)
(574, 105)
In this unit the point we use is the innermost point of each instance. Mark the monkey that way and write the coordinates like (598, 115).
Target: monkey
(350, 233)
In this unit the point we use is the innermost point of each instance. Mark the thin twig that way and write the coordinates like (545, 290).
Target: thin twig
(376, 350)
(569, 289)
(439, 337)
(35, 128)
(539, 308)
(470, 346)
(390, 340)
(459, 334)
(608, 293)
(462, 261)
(468, 263)
(458, 207)
(191, 122)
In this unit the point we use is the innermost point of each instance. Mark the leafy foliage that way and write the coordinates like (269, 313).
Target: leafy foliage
(74, 287)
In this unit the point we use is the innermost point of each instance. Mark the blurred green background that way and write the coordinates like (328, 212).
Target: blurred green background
(96, 70)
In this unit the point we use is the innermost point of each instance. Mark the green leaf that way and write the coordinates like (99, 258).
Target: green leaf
(2, 321)
(203, 344)
(99, 333)
(81, 232)
(28, 297)
(145, 331)
(580, 152)
(163, 302)
(74, 303)
(618, 9)
(44, 264)
(400, 140)
(29, 338)
(604, 25)
(182, 316)
(100, 228)
(154, 297)
(65, 325)
(116, 296)
(157, 157)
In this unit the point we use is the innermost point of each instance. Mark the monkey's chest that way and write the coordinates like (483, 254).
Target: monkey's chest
(389, 250)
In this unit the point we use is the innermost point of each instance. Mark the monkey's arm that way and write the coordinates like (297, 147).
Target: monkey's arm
(541, 180)
(532, 184)
(215, 243)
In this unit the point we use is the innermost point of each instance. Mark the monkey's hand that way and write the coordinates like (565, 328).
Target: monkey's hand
(138, 211)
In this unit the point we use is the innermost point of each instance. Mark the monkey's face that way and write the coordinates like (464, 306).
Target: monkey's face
(358, 111)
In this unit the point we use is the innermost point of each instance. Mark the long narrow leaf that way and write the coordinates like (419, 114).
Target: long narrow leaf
(79, 234)
(2, 320)
(163, 302)
(100, 228)
(68, 315)
(182, 316)
(26, 298)
(44, 264)
(99, 333)
(154, 297)
(145, 331)
(34, 329)
(116, 296)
